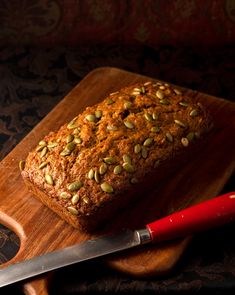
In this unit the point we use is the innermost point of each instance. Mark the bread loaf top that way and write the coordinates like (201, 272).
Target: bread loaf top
(111, 146)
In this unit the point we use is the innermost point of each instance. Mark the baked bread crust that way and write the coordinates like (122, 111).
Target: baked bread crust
(97, 163)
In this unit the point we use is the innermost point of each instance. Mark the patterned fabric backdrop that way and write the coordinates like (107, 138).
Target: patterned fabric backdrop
(152, 22)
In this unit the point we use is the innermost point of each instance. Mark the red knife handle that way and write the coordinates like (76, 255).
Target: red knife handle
(203, 216)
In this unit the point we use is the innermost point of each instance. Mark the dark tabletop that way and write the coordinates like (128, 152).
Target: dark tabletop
(34, 80)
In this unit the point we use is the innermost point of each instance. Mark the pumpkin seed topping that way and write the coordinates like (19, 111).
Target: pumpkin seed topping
(76, 131)
(90, 118)
(127, 105)
(164, 102)
(43, 152)
(155, 116)
(75, 199)
(103, 168)
(112, 128)
(137, 148)
(109, 160)
(39, 148)
(106, 187)
(129, 124)
(98, 114)
(110, 101)
(128, 167)
(65, 152)
(126, 159)
(162, 87)
(183, 103)
(21, 165)
(160, 94)
(65, 195)
(78, 140)
(142, 90)
(42, 165)
(190, 136)
(117, 169)
(193, 113)
(86, 200)
(155, 129)
(72, 210)
(177, 91)
(135, 93)
(70, 146)
(184, 141)
(148, 117)
(42, 143)
(52, 145)
(147, 83)
(75, 186)
(144, 152)
(97, 176)
(49, 179)
(180, 123)
(72, 124)
(148, 142)
(90, 174)
(134, 180)
(169, 137)
(69, 138)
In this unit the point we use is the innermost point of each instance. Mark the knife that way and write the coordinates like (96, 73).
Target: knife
(200, 217)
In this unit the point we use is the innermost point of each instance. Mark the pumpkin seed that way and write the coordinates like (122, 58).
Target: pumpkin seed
(147, 83)
(193, 113)
(52, 145)
(72, 124)
(39, 148)
(74, 186)
(70, 146)
(90, 118)
(183, 103)
(164, 102)
(103, 168)
(106, 187)
(98, 114)
(134, 180)
(42, 143)
(162, 87)
(97, 176)
(155, 116)
(65, 152)
(135, 93)
(86, 200)
(160, 94)
(177, 92)
(137, 148)
(129, 125)
(49, 179)
(90, 174)
(137, 89)
(65, 195)
(112, 128)
(155, 129)
(180, 123)
(156, 164)
(77, 140)
(109, 160)
(75, 199)
(148, 142)
(127, 105)
(76, 131)
(128, 167)
(144, 152)
(110, 101)
(184, 141)
(190, 136)
(72, 210)
(142, 90)
(42, 165)
(113, 93)
(117, 169)
(169, 137)
(126, 159)
(69, 138)
(43, 152)
(148, 117)
(21, 165)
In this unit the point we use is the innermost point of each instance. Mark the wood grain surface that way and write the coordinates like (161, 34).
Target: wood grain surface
(202, 177)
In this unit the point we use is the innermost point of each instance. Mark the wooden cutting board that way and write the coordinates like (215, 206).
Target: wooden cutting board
(41, 231)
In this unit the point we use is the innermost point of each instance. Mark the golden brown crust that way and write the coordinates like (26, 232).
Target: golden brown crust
(84, 170)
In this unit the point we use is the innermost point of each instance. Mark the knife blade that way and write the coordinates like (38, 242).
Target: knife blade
(200, 217)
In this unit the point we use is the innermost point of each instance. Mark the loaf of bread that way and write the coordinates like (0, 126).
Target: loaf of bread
(106, 156)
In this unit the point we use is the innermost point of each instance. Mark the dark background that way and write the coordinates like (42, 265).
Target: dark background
(47, 47)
